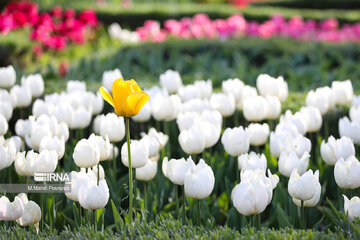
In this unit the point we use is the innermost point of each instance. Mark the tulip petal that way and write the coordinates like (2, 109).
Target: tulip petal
(106, 95)
(136, 101)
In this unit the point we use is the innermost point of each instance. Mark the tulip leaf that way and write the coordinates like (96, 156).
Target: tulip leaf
(76, 214)
(119, 222)
(282, 218)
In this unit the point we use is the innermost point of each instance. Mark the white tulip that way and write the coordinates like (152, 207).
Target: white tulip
(53, 143)
(176, 170)
(40, 107)
(212, 116)
(46, 161)
(236, 141)
(139, 154)
(147, 172)
(223, 103)
(252, 161)
(7, 154)
(188, 92)
(35, 83)
(94, 169)
(64, 112)
(347, 173)
(312, 117)
(109, 77)
(171, 81)
(255, 108)
(352, 207)
(318, 100)
(32, 212)
(160, 137)
(26, 166)
(165, 108)
(3, 125)
(78, 179)
(86, 154)
(63, 131)
(75, 86)
(289, 161)
(102, 144)
(350, 129)
(195, 105)
(233, 86)
(93, 196)
(251, 195)
(270, 86)
(258, 133)
(38, 132)
(335, 149)
(114, 152)
(299, 145)
(144, 115)
(22, 94)
(112, 126)
(356, 101)
(164, 165)
(342, 92)
(96, 102)
(152, 145)
(19, 144)
(6, 109)
(354, 113)
(199, 180)
(185, 120)
(204, 88)
(10, 211)
(297, 119)
(7, 76)
(211, 132)
(305, 188)
(273, 107)
(192, 141)
(81, 118)
(247, 92)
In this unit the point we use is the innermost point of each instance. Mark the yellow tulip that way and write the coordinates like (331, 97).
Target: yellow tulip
(127, 97)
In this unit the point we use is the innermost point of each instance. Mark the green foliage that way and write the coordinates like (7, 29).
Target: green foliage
(307, 4)
(168, 228)
(304, 66)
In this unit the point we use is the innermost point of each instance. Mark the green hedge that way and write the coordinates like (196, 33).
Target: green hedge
(303, 65)
(167, 228)
(308, 4)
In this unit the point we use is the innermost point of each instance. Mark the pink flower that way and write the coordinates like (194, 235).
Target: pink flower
(329, 24)
(88, 17)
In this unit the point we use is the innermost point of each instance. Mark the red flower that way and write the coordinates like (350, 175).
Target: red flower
(88, 17)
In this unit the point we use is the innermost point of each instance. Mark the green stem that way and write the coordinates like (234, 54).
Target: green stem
(167, 132)
(130, 171)
(258, 221)
(198, 212)
(184, 206)
(95, 227)
(145, 195)
(177, 201)
(98, 173)
(114, 160)
(303, 219)
(80, 215)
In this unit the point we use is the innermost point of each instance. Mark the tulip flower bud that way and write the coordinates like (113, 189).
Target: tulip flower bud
(171, 81)
(53, 143)
(7, 76)
(289, 161)
(347, 173)
(255, 108)
(258, 133)
(26, 166)
(204, 88)
(32, 212)
(77, 179)
(252, 161)
(335, 149)
(165, 108)
(93, 196)
(296, 119)
(236, 141)
(86, 154)
(3, 125)
(233, 86)
(103, 145)
(35, 83)
(139, 154)
(22, 94)
(192, 141)
(81, 118)
(312, 117)
(270, 86)
(305, 188)
(350, 129)
(46, 161)
(199, 180)
(147, 172)
(223, 103)
(342, 92)
(355, 113)
(11, 211)
(75, 86)
(7, 154)
(109, 77)
(144, 115)
(176, 170)
(113, 126)
(352, 207)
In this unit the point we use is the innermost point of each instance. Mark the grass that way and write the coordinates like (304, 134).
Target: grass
(168, 228)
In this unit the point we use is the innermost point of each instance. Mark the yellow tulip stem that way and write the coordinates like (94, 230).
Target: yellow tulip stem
(130, 170)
